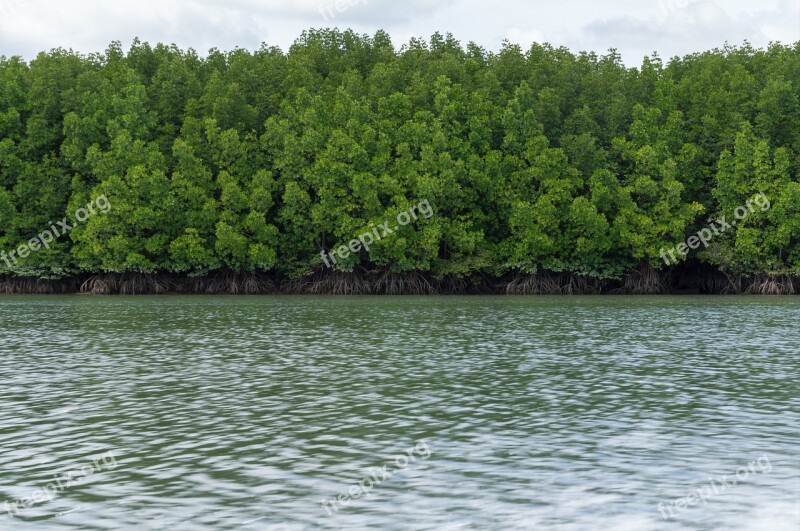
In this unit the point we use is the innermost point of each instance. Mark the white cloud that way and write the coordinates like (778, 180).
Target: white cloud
(689, 26)
(634, 27)
(524, 37)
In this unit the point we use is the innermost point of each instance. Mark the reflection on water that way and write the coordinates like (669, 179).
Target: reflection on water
(539, 413)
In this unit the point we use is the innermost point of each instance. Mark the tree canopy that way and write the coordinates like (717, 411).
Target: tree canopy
(534, 160)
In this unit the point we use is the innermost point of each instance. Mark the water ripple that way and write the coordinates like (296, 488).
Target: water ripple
(540, 413)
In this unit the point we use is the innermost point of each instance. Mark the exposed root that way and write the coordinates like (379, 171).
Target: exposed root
(582, 285)
(719, 284)
(413, 283)
(143, 285)
(538, 284)
(222, 283)
(329, 283)
(771, 285)
(99, 285)
(230, 283)
(714, 281)
(325, 282)
(453, 286)
(732, 286)
(35, 286)
(547, 283)
(360, 283)
(644, 281)
(126, 284)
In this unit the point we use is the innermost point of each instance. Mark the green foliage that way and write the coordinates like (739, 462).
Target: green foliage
(536, 159)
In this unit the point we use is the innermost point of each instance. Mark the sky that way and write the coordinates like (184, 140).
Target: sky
(636, 28)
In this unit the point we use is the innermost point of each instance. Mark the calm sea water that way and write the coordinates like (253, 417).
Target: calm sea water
(488, 412)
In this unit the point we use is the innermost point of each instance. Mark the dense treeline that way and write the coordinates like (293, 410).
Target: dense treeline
(547, 170)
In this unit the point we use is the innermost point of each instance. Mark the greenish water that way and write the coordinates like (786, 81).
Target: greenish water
(513, 413)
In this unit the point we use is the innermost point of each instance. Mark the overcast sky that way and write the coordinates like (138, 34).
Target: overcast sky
(634, 27)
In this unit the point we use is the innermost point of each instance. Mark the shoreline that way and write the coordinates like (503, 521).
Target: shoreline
(676, 281)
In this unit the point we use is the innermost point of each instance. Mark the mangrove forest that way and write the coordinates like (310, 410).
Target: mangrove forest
(543, 170)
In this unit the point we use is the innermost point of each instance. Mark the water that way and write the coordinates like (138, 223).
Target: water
(519, 413)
